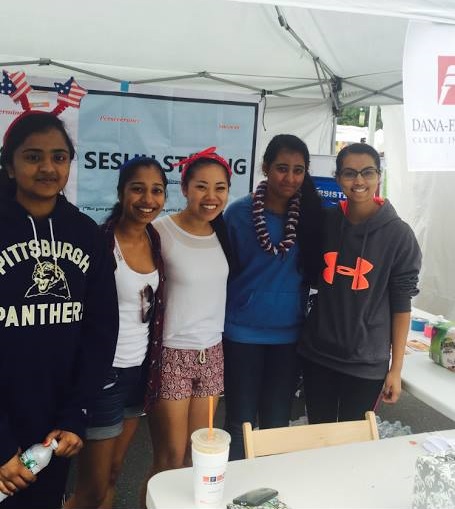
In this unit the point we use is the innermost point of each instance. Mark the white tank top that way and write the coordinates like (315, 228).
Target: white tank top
(133, 333)
(195, 291)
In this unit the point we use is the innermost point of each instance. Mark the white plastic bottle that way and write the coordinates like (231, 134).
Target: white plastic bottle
(35, 458)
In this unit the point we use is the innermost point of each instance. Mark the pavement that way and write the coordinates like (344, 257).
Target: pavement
(409, 411)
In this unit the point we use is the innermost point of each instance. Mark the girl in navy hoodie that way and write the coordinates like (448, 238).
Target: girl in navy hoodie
(372, 261)
(58, 309)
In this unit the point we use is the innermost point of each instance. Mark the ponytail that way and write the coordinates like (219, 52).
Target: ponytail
(115, 214)
(219, 227)
(309, 232)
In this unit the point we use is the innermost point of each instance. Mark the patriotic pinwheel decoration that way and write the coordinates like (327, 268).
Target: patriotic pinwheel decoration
(15, 85)
(69, 94)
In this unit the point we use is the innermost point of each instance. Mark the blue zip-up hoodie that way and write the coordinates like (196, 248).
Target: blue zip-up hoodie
(58, 321)
(267, 294)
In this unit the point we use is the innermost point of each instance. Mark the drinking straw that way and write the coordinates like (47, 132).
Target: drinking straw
(210, 416)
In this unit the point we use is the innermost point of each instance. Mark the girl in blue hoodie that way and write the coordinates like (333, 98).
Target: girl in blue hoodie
(271, 232)
(58, 310)
(355, 337)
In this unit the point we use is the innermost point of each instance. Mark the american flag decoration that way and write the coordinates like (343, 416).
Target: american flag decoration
(15, 85)
(69, 94)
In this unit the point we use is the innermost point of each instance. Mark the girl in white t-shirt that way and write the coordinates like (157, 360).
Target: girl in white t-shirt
(139, 275)
(196, 263)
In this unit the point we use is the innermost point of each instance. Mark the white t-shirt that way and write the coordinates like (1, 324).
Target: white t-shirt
(195, 289)
(133, 334)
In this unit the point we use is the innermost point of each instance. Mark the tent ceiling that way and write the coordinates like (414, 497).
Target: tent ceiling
(241, 42)
(441, 11)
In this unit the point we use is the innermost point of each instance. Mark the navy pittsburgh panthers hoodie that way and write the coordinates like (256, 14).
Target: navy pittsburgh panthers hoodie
(371, 272)
(58, 321)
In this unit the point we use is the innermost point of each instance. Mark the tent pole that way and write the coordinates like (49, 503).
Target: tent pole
(376, 92)
(23, 62)
(334, 87)
(229, 82)
(318, 63)
(89, 73)
(296, 87)
(319, 78)
(48, 61)
(372, 117)
(333, 141)
(170, 78)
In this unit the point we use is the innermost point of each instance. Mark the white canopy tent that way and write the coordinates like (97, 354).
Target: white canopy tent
(290, 51)
(254, 44)
(307, 59)
(296, 53)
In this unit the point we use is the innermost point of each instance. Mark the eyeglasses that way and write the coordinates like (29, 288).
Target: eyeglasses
(147, 303)
(366, 173)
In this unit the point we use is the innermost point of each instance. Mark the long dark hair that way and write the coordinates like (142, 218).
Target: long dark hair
(309, 232)
(126, 173)
(218, 224)
(30, 122)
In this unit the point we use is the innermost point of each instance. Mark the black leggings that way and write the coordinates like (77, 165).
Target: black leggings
(331, 396)
(259, 382)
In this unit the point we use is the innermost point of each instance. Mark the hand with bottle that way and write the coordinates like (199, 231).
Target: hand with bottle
(69, 443)
(20, 471)
(14, 476)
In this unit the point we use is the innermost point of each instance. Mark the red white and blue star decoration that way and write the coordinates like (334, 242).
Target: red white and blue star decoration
(69, 94)
(15, 85)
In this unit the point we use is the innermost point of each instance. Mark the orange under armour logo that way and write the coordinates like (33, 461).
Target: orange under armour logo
(362, 267)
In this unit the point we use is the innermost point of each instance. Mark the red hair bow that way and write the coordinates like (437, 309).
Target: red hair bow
(208, 153)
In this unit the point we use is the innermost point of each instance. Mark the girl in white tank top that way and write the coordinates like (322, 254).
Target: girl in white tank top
(139, 279)
(195, 299)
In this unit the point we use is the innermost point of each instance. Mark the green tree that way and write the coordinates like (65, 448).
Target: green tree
(351, 115)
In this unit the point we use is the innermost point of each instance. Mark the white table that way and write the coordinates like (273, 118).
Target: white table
(426, 380)
(377, 474)
(429, 382)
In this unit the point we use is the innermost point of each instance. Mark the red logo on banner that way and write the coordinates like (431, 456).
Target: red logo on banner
(446, 80)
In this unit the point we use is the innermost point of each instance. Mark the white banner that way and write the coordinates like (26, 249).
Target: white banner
(112, 127)
(429, 96)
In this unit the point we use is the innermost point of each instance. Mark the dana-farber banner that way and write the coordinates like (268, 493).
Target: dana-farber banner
(429, 96)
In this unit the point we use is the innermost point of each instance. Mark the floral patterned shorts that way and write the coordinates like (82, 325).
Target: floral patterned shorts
(192, 373)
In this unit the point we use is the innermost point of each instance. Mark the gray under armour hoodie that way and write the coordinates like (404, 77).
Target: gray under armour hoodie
(370, 272)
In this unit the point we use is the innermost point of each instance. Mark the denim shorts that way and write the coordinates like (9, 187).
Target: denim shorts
(122, 398)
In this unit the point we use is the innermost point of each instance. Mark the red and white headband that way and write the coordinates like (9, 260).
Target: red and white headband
(208, 153)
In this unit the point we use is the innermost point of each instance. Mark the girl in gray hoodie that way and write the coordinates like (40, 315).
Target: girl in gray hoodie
(354, 340)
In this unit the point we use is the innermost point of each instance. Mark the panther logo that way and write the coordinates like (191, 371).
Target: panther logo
(49, 279)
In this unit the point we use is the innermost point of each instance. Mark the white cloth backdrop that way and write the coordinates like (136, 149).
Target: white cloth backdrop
(312, 122)
(425, 200)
